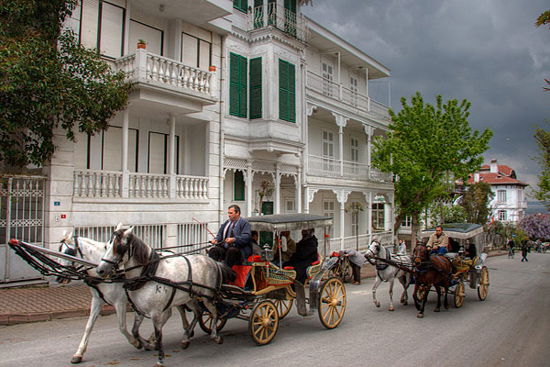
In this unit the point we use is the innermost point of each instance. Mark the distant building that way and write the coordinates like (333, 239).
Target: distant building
(509, 203)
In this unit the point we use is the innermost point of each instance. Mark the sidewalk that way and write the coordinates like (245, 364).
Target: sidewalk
(20, 305)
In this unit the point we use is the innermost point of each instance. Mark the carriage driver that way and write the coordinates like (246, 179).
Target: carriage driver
(233, 242)
(438, 241)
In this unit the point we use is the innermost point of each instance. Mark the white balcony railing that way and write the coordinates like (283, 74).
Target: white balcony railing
(332, 167)
(351, 98)
(147, 185)
(191, 187)
(280, 18)
(97, 184)
(109, 184)
(146, 67)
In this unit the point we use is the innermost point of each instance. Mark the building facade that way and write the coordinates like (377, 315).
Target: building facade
(235, 102)
(509, 202)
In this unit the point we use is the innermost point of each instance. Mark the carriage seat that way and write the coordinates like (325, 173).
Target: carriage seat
(451, 255)
(242, 272)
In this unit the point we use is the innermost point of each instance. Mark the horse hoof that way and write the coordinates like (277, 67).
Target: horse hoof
(420, 315)
(437, 310)
(405, 303)
(377, 304)
(76, 359)
(159, 364)
(218, 340)
(391, 309)
(185, 345)
(191, 334)
(137, 344)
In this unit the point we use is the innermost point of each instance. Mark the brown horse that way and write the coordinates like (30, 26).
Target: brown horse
(430, 271)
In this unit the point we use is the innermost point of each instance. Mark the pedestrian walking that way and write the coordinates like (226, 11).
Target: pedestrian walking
(511, 244)
(524, 251)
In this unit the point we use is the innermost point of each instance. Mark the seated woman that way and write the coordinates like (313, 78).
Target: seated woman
(471, 250)
(288, 247)
(306, 253)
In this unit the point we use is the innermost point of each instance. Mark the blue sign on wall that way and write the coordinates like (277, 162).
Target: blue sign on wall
(57, 203)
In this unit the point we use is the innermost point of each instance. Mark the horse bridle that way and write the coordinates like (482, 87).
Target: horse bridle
(373, 262)
(72, 251)
(118, 248)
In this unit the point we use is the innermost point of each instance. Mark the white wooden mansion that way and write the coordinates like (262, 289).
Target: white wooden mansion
(509, 202)
(243, 102)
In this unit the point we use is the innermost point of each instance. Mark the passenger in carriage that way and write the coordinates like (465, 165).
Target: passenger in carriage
(306, 253)
(438, 242)
(471, 250)
(233, 241)
(288, 247)
(256, 248)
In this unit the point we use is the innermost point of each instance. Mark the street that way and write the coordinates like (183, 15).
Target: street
(508, 329)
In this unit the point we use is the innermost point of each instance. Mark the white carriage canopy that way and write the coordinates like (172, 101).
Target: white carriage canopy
(288, 222)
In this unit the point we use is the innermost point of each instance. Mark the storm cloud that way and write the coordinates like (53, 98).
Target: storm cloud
(486, 51)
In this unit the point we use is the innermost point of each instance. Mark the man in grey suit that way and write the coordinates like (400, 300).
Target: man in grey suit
(232, 244)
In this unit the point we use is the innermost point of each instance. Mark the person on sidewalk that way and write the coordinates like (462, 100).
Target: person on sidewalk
(511, 245)
(356, 260)
(524, 250)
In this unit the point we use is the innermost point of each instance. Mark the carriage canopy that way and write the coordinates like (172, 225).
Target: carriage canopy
(288, 222)
(461, 231)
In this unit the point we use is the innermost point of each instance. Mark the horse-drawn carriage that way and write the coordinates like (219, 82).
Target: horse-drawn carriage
(264, 291)
(156, 281)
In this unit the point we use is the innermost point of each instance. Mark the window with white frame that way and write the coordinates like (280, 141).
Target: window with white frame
(502, 215)
(111, 29)
(520, 196)
(407, 221)
(501, 196)
(328, 76)
(378, 216)
(159, 153)
(353, 89)
(196, 51)
(154, 37)
(289, 206)
(328, 151)
(328, 211)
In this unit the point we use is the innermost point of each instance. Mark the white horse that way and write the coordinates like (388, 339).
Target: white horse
(388, 273)
(110, 293)
(172, 281)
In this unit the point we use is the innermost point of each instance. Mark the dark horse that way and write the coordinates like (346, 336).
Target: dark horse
(430, 271)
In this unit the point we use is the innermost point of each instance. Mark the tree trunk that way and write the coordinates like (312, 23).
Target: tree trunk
(414, 229)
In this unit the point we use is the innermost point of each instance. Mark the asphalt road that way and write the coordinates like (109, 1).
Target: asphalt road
(510, 328)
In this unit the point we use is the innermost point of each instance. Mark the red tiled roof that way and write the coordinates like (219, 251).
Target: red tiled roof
(495, 179)
(502, 169)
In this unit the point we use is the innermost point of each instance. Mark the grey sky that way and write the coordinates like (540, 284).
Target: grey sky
(487, 51)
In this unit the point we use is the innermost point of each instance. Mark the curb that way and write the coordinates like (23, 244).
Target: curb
(13, 319)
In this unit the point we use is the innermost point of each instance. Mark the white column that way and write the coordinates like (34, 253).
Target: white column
(124, 165)
(249, 175)
(339, 77)
(369, 211)
(341, 121)
(172, 155)
(299, 191)
(342, 197)
(369, 130)
(387, 216)
(277, 198)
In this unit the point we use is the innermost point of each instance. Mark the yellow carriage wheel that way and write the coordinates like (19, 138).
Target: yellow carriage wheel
(263, 323)
(283, 307)
(460, 294)
(332, 303)
(206, 322)
(483, 286)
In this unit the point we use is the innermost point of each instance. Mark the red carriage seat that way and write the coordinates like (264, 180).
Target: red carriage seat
(242, 272)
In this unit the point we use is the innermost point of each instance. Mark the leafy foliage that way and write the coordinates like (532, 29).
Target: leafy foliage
(543, 141)
(537, 226)
(475, 202)
(544, 18)
(425, 146)
(441, 213)
(49, 81)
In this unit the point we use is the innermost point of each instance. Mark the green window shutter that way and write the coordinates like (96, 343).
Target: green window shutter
(237, 85)
(241, 5)
(287, 91)
(290, 5)
(238, 184)
(256, 88)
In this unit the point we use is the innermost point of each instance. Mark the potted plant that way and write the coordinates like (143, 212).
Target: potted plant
(141, 43)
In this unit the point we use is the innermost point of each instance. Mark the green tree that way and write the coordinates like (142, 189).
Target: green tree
(543, 19)
(48, 81)
(424, 146)
(475, 202)
(543, 141)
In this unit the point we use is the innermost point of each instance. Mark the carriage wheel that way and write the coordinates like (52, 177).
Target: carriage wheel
(332, 303)
(206, 321)
(460, 294)
(283, 307)
(483, 286)
(263, 323)
(347, 272)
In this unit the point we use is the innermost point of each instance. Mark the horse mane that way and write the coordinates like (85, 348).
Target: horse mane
(140, 249)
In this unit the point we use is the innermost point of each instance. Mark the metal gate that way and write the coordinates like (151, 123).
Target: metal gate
(21, 217)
